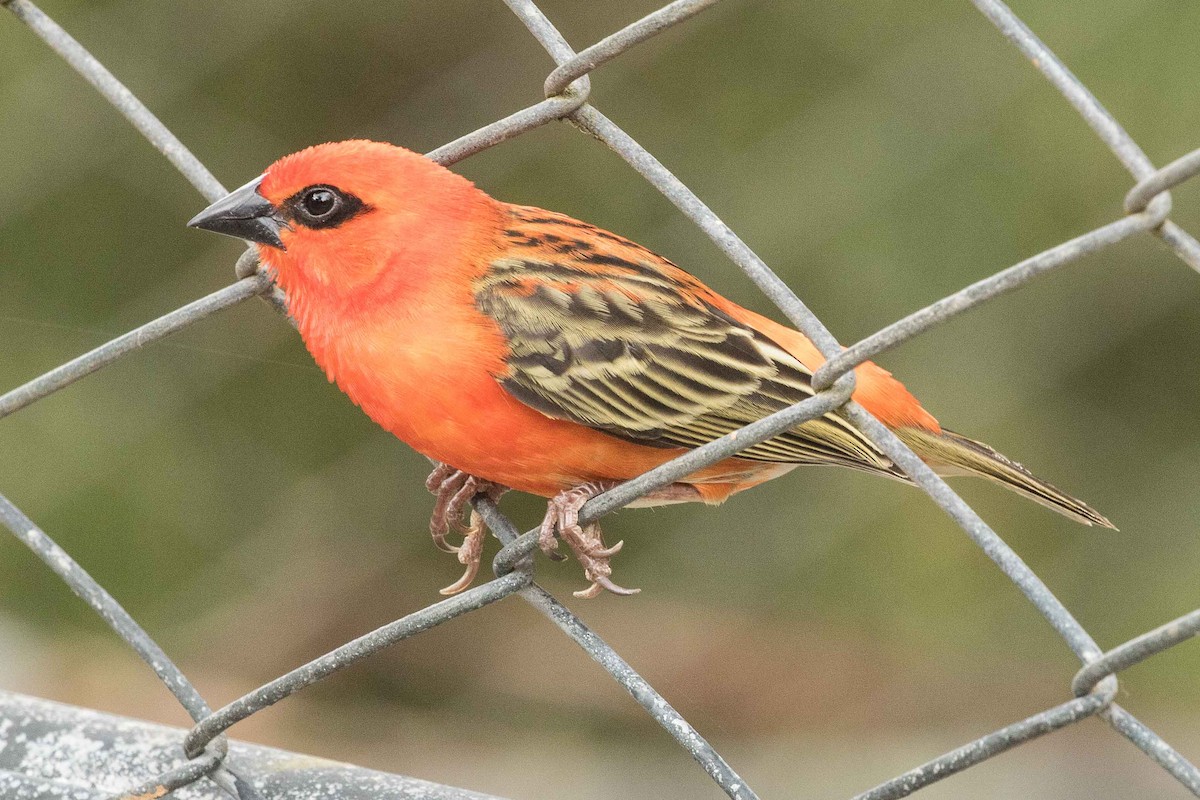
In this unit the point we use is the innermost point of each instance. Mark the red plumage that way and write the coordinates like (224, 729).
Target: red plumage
(530, 350)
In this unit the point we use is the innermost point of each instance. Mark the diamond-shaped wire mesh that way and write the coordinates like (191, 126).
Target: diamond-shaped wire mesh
(566, 90)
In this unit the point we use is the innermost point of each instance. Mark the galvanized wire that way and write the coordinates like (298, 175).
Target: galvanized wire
(567, 90)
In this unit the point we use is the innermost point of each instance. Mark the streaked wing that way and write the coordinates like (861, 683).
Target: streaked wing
(607, 334)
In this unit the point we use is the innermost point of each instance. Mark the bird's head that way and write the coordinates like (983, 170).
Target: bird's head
(345, 218)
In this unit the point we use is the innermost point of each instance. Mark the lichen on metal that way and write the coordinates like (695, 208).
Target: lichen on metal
(51, 750)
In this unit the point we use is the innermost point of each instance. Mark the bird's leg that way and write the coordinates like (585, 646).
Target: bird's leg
(469, 554)
(586, 541)
(443, 482)
(454, 489)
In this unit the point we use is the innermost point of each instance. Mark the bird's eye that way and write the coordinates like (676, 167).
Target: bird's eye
(323, 206)
(319, 203)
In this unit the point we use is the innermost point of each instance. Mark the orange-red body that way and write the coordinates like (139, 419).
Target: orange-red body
(386, 307)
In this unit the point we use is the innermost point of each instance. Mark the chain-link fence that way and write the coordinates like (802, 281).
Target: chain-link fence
(1094, 686)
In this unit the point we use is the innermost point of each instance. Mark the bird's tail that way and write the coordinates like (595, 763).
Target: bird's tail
(952, 454)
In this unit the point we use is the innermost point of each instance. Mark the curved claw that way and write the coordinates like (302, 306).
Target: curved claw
(601, 583)
(469, 555)
(439, 541)
(467, 578)
(614, 588)
(590, 592)
(607, 552)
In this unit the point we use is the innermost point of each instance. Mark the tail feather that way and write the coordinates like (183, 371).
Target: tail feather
(952, 454)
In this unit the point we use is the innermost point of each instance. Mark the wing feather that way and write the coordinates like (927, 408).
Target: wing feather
(607, 334)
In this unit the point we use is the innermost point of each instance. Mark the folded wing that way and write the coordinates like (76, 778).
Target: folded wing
(607, 334)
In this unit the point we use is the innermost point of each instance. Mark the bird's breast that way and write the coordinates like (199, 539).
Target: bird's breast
(430, 379)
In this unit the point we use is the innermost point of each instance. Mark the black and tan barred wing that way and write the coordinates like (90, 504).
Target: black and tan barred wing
(607, 334)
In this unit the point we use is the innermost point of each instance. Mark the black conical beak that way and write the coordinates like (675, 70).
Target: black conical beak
(243, 213)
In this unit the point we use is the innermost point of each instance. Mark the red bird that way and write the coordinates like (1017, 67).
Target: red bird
(525, 349)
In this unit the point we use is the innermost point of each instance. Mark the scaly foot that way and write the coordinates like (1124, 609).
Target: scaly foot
(586, 541)
(454, 490)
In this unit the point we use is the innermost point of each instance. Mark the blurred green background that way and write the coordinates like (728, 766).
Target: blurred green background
(826, 631)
